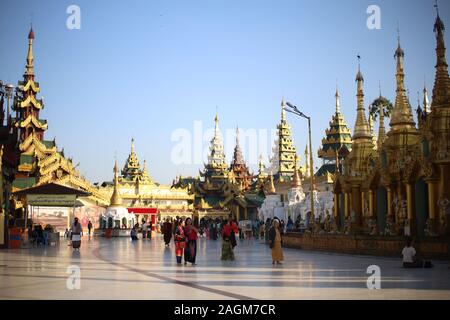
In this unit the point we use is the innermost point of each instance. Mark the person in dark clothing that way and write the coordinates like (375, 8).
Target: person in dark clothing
(134, 232)
(167, 230)
(89, 227)
(191, 233)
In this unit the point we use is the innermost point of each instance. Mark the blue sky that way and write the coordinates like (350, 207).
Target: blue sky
(144, 69)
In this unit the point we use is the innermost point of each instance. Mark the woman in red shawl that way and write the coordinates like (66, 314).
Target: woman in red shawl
(191, 232)
(180, 240)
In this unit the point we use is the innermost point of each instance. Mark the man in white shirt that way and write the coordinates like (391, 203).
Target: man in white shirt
(409, 256)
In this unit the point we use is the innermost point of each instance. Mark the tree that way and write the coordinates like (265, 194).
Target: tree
(377, 104)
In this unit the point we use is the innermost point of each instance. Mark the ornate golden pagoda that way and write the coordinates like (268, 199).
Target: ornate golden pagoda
(436, 143)
(338, 137)
(216, 168)
(403, 189)
(238, 166)
(116, 199)
(286, 148)
(356, 164)
(134, 189)
(40, 161)
(398, 152)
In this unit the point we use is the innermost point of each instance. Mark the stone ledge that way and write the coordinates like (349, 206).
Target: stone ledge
(433, 248)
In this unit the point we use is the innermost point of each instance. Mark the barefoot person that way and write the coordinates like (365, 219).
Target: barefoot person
(76, 234)
(275, 242)
(228, 240)
(180, 240)
(190, 252)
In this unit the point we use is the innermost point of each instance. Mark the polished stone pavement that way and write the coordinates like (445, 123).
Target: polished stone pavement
(120, 269)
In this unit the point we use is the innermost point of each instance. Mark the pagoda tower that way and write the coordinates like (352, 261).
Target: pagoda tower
(40, 161)
(338, 136)
(116, 199)
(356, 164)
(436, 141)
(27, 106)
(132, 169)
(400, 148)
(286, 148)
(145, 177)
(239, 167)
(216, 168)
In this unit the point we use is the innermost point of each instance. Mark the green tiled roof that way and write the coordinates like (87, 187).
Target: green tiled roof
(23, 183)
(49, 144)
(26, 159)
(331, 168)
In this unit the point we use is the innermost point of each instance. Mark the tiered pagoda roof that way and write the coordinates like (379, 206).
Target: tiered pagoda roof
(239, 167)
(216, 168)
(132, 170)
(282, 163)
(338, 136)
(40, 161)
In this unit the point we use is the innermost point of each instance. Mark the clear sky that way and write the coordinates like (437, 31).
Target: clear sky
(146, 69)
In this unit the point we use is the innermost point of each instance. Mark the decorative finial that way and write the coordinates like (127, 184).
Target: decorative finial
(437, 7)
(379, 87)
(359, 76)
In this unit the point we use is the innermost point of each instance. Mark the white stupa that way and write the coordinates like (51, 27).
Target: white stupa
(117, 212)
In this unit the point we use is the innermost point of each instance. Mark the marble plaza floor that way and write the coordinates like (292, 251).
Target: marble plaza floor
(119, 269)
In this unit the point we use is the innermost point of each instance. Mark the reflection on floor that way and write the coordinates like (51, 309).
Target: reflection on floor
(120, 269)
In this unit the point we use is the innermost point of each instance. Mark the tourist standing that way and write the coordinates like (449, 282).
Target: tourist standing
(191, 232)
(228, 240)
(149, 230)
(76, 234)
(275, 242)
(89, 227)
(167, 232)
(180, 240)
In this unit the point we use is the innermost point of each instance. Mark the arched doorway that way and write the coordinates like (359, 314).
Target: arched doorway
(381, 208)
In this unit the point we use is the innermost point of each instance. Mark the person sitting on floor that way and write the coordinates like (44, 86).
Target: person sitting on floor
(410, 259)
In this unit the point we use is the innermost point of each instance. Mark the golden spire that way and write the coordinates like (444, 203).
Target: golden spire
(402, 117)
(296, 182)
(441, 91)
(362, 130)
(116, 199)
(283, 111)
(132, 145)
(381, 130)
(271, 185)
(338, 102)
(29, 66)
(307, 169)
(426, 100)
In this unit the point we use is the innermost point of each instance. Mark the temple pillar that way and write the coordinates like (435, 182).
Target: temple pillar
(432, 221)
(444, 199)
(410, 208)
(389, 202)
(371, 204)
(363, 204)
(336, 205)
(346, 205)
(356, 204)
